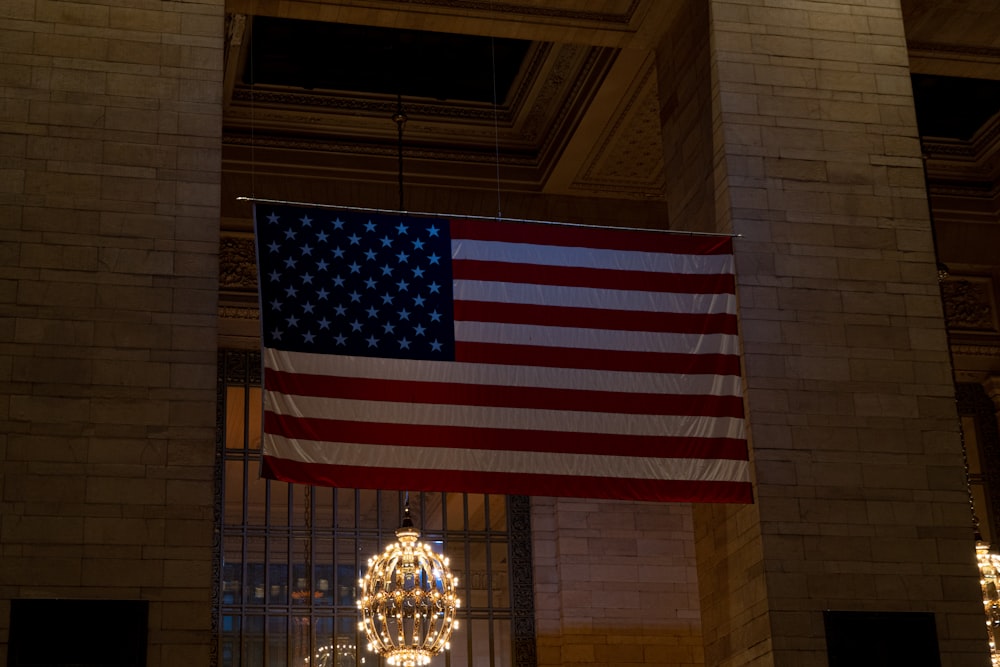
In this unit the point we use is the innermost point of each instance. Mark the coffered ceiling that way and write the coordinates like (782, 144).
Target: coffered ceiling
(538, 96)
(555, 97)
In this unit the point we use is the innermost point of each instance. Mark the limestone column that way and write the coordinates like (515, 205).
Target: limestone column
(792, 125)
(110, 165)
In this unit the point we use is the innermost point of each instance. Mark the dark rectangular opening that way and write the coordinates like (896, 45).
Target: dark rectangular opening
(77, 633)
(881, 639)
(366, 59)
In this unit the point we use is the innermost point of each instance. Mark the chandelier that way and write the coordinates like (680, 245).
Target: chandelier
(989, 579)
(341, 653)
(408, 603)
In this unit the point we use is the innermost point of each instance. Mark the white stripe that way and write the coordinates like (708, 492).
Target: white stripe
(594, 339)
(500, 375)
(474, 416)
(591, 297)
(593, 258)
(502, 461)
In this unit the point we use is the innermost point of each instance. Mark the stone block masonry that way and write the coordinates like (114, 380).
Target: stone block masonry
(110, 164)
(850, 401)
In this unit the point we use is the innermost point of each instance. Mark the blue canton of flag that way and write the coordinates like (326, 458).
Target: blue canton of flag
(355, 283)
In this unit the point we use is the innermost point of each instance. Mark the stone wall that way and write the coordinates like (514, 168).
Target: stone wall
(615, 583)
(861, 502)
(110, 126)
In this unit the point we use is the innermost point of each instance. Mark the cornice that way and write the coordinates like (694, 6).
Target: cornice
(514, 11)
(969, 169)
(536, 10)
(262, 97)
(982, 145)
(975, 51)
(988, 350)
(376, 150)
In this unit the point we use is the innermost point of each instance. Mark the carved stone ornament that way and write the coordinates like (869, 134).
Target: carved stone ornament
(629, 157)
(237, 263)
(969, 304)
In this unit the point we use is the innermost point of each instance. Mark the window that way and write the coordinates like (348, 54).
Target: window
(289, 556)
(982, 449)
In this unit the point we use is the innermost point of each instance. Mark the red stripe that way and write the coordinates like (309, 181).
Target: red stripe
(602, 360)
(514, 440)
(572, 276)
(506, 483)
(536, 398)
(594, 318)
(590, 237)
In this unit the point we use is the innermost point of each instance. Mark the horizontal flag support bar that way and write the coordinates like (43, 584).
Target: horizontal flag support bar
(392, 211)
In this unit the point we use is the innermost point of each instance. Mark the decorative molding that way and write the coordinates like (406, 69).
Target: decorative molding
(976, 350)
(522, 586)
(965, 168)
(513, 10)
(564, 72)
(983, 144)
(955, 49)
(378, 150)
(236, 25)
(239, 313)
(629, 157)
(239, 367)
(978, 189)
(260, 97)
(573, 105)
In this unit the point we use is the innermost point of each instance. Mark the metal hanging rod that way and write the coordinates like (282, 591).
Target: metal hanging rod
(389, 211)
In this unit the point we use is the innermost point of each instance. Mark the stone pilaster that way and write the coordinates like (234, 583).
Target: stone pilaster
(861, 502)
(109, 190)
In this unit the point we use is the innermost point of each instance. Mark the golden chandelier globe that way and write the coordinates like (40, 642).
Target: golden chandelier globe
(408, 603)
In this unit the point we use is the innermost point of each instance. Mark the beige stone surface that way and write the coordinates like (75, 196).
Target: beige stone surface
(109, 137)
(615, 583)
(846, 477)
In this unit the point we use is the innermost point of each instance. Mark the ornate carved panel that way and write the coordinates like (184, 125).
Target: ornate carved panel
(237, 264)
(970, 304)
(629, 157)
(522, 582)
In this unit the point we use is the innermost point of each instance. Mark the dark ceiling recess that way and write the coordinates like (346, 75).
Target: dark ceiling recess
(954, 108)
(362, 59)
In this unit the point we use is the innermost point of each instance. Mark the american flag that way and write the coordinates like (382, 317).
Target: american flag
(422, 353)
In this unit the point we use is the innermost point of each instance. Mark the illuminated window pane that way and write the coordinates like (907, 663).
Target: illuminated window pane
(256, 499)
(475, 511)
(235, 418)
(233, 501)
(278, 503)
(498, 513)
